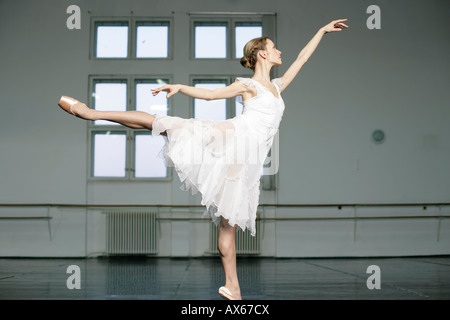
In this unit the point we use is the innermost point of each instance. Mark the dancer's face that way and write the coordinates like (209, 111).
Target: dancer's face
(273, 54)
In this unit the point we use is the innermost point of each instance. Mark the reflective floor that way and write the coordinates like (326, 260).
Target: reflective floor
(148, 278)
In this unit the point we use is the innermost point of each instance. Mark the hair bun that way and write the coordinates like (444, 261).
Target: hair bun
(251, 51)
(245, 63)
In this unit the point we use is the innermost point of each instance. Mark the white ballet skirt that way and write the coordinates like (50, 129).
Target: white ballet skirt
(224, 159)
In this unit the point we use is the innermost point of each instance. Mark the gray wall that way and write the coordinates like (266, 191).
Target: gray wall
(359, 80)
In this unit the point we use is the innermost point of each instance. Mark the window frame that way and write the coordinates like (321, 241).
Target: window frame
(92, 154)
(241, 23)
(213, 23)
(107, 79)
(225, 79)
(93, 128)
(132, 23)
(267, 21)
(132, 144)
(115, 23)
(231, 22)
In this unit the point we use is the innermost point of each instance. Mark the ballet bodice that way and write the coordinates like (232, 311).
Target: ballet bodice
(264, 111)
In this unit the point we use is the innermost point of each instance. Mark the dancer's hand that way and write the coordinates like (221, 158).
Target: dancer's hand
(335, 25)
(170, 88)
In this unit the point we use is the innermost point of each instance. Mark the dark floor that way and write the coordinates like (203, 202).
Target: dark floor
(150, 278)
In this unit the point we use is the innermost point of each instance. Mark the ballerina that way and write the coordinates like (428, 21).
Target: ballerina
(223, 159)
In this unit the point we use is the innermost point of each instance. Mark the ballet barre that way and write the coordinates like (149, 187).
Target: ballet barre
(355, 218)
(278, 205)
(175, 206)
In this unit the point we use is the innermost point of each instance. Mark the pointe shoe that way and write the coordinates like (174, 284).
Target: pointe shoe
(224, 292)
(72, 106)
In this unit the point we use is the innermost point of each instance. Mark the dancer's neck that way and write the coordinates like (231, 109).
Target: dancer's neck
(262, 72)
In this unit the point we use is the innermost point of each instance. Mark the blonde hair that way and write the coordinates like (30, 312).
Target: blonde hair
(251, 52)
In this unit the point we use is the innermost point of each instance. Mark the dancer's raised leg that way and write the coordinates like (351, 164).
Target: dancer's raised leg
(132, 119)
(227, 249)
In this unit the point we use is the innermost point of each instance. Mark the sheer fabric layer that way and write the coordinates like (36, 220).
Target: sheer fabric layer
(223, 160)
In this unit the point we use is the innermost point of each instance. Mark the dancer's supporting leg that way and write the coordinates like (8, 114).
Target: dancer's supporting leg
(132, 119)
(227, 248)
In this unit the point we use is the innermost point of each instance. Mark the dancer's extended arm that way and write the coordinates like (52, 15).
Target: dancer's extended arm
(233, 90)
(308, 50)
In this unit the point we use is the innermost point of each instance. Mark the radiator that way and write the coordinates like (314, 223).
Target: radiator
(131, 232)
(246, 244)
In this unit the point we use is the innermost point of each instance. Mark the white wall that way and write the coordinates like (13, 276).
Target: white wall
(359, 80)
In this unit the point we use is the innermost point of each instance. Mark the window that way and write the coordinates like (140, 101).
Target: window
(109, 95)
(109, 154)
(131, 38)
(244, 32)
(118, 152)
(210, 40)
(223, 38)
(146, 161)
(152, 40)
(123, 154)
(112, 40)
(145, 101)
(216, 110)
(239, 107)
(210, 110)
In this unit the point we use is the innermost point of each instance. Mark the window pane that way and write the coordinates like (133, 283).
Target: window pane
(145, 101)
(210, 42)
(210, 110)
(152, 42)
(243, 35)
(112, 42)
(110, 97)
(109, 155)
(238, 105)
(147, 162)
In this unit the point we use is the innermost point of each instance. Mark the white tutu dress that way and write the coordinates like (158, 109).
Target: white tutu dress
(223, 159)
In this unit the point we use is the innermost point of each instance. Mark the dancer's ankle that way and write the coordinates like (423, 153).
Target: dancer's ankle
(233, 286)
(84, 112)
